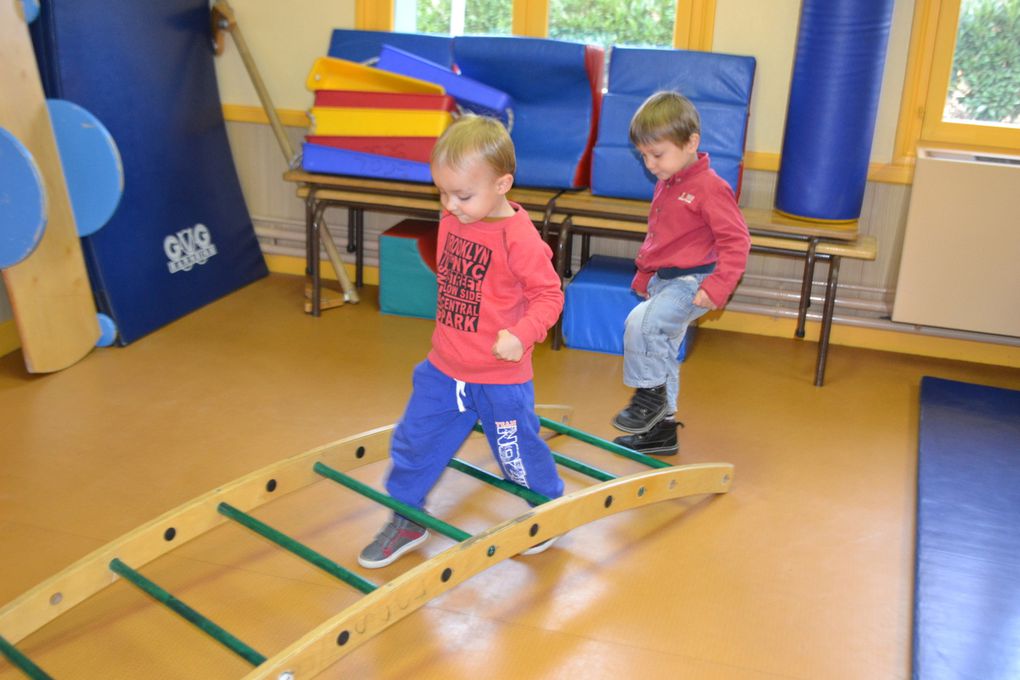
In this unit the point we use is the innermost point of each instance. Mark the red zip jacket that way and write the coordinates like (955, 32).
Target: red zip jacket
(694, 220)
(492, 275)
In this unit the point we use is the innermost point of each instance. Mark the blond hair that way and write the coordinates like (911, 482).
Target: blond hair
(666, 115)
(473, 137)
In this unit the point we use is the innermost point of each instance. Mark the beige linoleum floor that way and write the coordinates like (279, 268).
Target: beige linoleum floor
(803, 571)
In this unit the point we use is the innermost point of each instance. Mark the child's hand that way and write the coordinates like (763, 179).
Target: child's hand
(508, 347)
(701, 299)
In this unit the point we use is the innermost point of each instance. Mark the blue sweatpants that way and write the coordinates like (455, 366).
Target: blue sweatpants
(439, 417)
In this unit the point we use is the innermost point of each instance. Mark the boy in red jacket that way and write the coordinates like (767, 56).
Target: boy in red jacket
(690, 262)
(498, 296)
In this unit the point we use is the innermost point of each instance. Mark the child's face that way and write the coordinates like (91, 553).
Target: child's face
(473, 192)
(664, 158)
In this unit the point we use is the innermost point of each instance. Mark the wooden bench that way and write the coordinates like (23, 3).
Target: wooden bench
(586, 215)
(564, 214)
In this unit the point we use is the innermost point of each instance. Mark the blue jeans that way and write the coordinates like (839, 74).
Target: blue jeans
(654, 331)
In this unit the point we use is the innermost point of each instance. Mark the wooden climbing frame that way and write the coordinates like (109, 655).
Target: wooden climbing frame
(381, 606)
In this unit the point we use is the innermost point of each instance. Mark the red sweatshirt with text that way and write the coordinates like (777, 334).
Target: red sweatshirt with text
(492, 275)
(694, 220)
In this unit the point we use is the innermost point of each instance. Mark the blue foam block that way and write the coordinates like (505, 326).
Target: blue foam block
(597, 303)
(967, 581)
(719, 85)
(407, 284)
(469, 93)
(335, 161)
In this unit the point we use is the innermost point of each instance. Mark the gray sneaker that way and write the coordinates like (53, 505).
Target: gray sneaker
(399, 536)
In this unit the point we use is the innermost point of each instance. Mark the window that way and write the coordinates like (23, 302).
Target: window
(454, 17)
(973, 93)
(639, 23)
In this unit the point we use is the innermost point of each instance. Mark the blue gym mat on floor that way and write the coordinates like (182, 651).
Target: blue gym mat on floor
(967, 585)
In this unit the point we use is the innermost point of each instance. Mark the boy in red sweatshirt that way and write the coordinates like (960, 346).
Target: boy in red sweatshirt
(690, 262)
(498, 295)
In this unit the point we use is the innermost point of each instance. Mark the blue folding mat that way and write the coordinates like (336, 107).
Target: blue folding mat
(719, 85)
(365, 46)
(556, 89)
(967, 580)
(181, 236)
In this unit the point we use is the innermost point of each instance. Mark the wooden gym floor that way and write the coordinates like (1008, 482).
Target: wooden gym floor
(803, 571)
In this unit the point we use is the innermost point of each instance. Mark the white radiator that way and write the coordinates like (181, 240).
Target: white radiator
(960, 266)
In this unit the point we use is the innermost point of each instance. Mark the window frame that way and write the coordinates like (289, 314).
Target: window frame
(929, 66)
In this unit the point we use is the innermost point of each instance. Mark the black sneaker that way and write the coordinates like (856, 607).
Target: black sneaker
(647, 407)
(396, 538)
(659, 441)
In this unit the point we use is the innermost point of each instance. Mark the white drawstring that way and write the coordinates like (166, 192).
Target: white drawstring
(460, 390)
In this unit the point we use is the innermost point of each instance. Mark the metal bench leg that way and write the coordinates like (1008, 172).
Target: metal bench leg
(805, 286)
(359, 245)
(827, 310)
(562, 255)
(315, 259)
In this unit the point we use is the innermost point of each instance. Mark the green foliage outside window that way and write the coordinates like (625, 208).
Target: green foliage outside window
(985, 83)
(613, 22)
(480, 16)
(599, 22)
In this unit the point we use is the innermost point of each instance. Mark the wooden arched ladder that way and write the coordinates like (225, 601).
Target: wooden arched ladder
(382, 606)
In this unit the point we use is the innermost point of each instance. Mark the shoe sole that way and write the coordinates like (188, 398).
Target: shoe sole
(539, 547)
(629, 430)
(397, 554)
(653, 451)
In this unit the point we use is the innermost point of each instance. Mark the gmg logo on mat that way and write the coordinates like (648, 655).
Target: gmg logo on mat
(188, 247)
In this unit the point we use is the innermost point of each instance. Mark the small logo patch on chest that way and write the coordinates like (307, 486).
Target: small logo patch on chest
(686, 197)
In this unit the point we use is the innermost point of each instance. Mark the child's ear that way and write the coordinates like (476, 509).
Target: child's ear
(692, 143)
(504, 183)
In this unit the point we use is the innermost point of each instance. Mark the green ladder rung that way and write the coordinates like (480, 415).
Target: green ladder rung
(478, 473)
(603, 444)
(22, 662)
(583, 468)
(414, 514)
(300, 549)
(187, 613)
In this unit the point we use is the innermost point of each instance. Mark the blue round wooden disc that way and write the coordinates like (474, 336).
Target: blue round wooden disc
(31, 10)
(23, 207)
(107, 330)
(92, 166)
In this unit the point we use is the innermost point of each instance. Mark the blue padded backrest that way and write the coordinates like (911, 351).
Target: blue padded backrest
(362, 46)
(719, 85)
(554, 106)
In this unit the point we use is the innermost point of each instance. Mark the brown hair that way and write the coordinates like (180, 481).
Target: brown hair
(665, 115)
(471, 137)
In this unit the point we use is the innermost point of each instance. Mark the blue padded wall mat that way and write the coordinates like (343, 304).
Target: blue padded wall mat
(967, 581)
(363, 46)
(719, 85)
(552, 99)
(181, 236)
